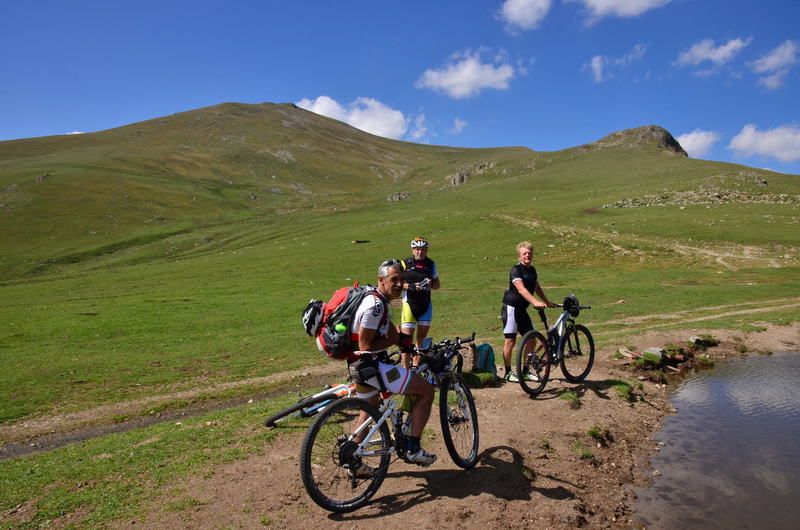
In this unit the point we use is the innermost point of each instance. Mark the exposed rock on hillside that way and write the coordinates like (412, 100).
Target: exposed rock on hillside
(464, 173)
(704, 195)
(398, 196)
(653, 135)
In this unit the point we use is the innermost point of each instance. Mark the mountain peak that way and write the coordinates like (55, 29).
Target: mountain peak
(653, 135)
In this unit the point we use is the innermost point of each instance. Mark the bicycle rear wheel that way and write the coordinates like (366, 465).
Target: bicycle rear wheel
(578, 354)
(306, 407)
(459, 420)
(533, 363)
(330, 454)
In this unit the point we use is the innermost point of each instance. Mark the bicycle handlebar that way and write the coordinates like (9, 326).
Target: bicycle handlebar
(579, 306)
(446, 343)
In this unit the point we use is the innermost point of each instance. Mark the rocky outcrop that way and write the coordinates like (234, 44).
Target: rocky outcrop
(650, 135)
(464, 173)
(704, 195)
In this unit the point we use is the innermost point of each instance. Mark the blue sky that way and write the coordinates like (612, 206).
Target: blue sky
(723, 76)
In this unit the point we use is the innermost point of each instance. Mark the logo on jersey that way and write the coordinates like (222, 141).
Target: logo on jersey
(377, 309)
(393, 375)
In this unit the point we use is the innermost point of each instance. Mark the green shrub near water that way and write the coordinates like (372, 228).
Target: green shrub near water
(649, 361)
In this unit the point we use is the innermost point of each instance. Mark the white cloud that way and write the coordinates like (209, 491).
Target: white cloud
(706, 51)
(637, 54)
(773, 81)
(465, 75)
(618, 8)
(601, 66)
(698, 143)
(776, 64)
(782, 143)
(367, 114)
(420, 131)
(782, 56)
(595, 66)
(75, 132)
(458, 126)
(524, 14)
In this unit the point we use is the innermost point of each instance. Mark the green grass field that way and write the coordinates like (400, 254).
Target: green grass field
(137, 270)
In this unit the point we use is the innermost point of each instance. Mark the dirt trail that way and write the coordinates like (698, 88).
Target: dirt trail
(731, 256)
(709, 313)
(538, 468)
(48, 432)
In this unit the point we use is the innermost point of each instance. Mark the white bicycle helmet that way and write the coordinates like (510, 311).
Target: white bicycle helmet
(419, 242)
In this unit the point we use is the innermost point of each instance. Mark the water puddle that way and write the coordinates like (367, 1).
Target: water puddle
(731, 455)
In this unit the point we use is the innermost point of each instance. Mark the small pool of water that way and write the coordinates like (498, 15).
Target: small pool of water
(731, 455)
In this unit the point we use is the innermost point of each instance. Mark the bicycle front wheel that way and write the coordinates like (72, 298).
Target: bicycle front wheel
(459, 420)
(331, 463)
(578, 354)
(533, 363)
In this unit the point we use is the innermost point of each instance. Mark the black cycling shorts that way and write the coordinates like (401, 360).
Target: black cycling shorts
(515, 320)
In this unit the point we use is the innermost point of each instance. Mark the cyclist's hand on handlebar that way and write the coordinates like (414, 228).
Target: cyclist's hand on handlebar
(405, 342)
(538, 304)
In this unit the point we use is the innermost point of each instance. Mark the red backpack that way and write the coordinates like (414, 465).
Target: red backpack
(335, 318)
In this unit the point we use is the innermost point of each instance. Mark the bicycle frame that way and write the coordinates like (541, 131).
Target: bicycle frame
(389, 408)
(556, 335)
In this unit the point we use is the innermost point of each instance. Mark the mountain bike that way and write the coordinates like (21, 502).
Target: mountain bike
(314, 404)
(338, 442)
(567, 343)
(311, 405)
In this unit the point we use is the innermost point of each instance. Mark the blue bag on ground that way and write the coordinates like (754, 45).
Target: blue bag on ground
(484, 359)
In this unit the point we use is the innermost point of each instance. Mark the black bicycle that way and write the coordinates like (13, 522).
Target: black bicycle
(567, 343)
(351, 432)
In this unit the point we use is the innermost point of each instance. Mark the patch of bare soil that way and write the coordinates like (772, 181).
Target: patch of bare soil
(539, 468)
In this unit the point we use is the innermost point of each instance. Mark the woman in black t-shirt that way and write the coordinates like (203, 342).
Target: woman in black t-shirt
(523, 290)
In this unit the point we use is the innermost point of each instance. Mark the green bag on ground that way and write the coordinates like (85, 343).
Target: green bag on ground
(484, 359)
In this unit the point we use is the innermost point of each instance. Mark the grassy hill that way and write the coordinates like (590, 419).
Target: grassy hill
(178, 252)
(66, 199)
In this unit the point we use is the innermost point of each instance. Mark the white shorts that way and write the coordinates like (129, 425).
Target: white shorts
(395, 378)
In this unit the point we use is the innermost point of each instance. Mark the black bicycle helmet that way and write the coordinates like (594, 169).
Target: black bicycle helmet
(571, 305)
(312, 317)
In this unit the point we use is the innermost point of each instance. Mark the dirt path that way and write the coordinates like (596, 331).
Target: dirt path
(48, 432)
(731, 256)
(710, 313)
(531, 474)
